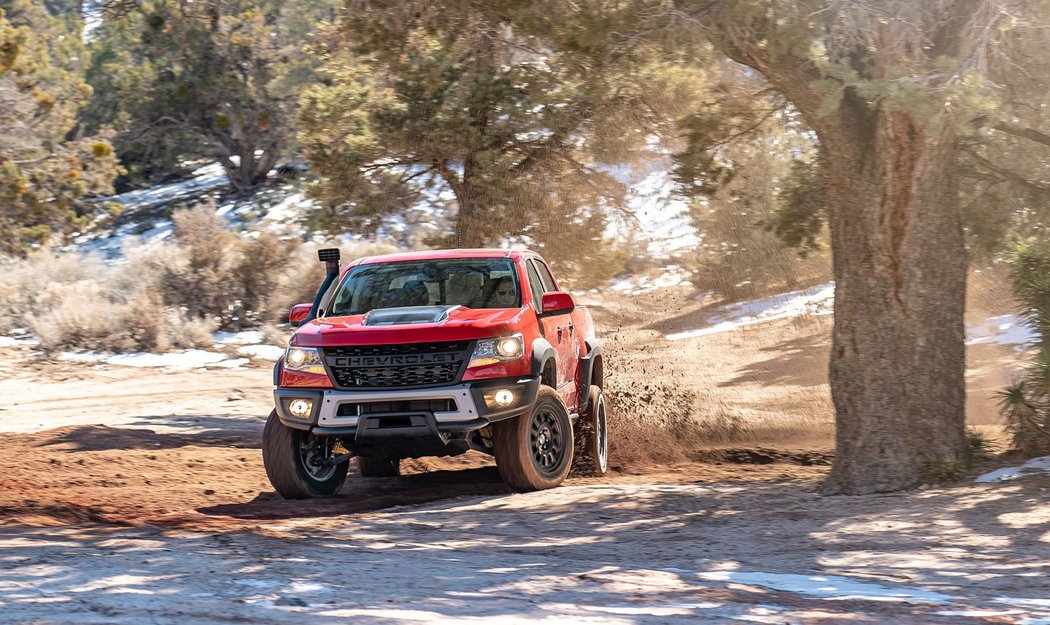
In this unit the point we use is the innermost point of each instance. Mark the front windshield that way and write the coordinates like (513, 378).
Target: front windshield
(470, 282)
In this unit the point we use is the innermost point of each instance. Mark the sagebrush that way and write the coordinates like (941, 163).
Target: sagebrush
(173, 295)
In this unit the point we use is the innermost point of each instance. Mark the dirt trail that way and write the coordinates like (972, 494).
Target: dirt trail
(135, 496)
(767, 551)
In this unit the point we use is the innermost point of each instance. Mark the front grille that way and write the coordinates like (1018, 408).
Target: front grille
(404, 405)
(399, 349)
(393, 366)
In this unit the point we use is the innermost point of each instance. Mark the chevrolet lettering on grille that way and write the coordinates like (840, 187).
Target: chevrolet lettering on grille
(394, 360)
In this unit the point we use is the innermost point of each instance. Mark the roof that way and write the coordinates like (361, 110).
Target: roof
(443, 254)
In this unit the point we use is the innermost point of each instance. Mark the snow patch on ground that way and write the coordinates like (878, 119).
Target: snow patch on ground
(818, 300)
(251, 343)
(244, 337)
(203, 179)
(1004, 474)
(14, 341)
(188, 359)
(262, 352)
(669, 276)
(1002, 330)
(1006, 329)
(831, 587)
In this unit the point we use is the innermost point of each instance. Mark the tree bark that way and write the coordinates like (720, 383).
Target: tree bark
(897, 366)
(897, 363)
(470, 231)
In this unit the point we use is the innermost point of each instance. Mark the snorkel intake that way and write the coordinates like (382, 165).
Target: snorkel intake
(330, 258)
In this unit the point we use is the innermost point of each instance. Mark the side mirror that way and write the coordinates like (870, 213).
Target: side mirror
(556, 303)
(299, 312)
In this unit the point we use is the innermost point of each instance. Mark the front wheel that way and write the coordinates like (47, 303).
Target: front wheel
(298, 463)
(534, 451)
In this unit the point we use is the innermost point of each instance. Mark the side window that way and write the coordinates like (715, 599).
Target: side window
(545, 275)
(534, 284)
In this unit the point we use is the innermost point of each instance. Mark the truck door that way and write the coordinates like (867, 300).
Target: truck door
(560, 332)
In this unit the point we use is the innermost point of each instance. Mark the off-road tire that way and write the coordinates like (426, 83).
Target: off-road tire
(376, 466)
(519, 444)
(285, 467)
(592, 437)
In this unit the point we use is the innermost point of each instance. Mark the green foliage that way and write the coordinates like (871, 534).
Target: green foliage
(942, 470)
(454, 97)
(47, 171)
(1025, 404)
(754, 197)
(1030, 280)
(978, 446)
(799, 217)
(218, 81)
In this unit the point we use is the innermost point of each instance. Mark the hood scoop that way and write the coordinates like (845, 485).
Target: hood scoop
(407, 315)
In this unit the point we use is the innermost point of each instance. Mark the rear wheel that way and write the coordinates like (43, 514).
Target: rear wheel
(534, 451)
(592, 436)
(298, 463)
(378, 466)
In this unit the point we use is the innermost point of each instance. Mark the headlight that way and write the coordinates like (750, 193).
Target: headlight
(304, 360)
(501, 349)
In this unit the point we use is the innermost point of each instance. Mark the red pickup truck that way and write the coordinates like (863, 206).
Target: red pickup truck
(433, 354)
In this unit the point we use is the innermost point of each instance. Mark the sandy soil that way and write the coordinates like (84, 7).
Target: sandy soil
(138, 496)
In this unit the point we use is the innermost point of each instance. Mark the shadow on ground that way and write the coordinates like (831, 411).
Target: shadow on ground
(370, 494)
(198, 431)
(617, 553)
(800, 361)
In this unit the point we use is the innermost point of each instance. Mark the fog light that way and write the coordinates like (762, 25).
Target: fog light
(300, 407)
(504, 397)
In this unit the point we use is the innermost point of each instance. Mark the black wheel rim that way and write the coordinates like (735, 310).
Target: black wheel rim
(314, 455)
(602, 434)
(547, 438)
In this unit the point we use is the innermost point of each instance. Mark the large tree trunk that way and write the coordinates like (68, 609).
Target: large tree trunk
(897, 361)
(470, 227)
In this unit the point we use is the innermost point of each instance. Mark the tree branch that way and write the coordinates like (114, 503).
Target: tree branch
(1026, 133)
(1005, 174)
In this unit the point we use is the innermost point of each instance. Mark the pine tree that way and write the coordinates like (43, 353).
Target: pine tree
(451, 96)
(210, 80)
(48, 170)
(895, 93)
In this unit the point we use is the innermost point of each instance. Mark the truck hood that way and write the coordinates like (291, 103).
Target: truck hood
(456, 323)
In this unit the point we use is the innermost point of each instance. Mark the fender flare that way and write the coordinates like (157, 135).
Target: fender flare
(277, 371)
(594, 350)
(542, 353)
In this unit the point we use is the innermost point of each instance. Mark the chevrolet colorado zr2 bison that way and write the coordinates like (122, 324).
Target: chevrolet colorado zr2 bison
(433, 354)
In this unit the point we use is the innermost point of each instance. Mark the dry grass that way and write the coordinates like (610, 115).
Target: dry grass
(174, 295)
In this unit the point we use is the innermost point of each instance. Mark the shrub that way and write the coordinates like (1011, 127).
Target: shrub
(23, 281)
(194, 272)
(978, 447)
(1025, 404)
(77, 314)
(173, 295)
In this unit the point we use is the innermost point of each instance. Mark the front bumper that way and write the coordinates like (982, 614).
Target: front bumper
(396, 413)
